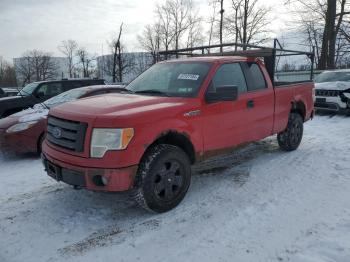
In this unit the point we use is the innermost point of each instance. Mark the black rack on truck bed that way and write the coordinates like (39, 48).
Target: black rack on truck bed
(269, 55)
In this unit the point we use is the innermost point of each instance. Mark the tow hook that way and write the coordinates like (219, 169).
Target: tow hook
(77, 187)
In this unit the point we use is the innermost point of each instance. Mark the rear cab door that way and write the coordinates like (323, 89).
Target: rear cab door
(259, 100)
(225, 123)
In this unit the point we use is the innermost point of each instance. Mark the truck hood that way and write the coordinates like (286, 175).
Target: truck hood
(339, 85)
(122, 106)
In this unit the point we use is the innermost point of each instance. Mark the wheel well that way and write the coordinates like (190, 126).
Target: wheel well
(180, 140)
(299, 107)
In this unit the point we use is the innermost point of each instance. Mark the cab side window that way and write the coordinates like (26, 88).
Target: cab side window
(255, 77)
(50, 89)
(229, 75)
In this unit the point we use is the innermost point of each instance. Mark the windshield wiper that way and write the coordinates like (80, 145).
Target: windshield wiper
(151, 91)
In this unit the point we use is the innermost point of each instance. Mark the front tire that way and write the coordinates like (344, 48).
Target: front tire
(163, 178)
(290, 138)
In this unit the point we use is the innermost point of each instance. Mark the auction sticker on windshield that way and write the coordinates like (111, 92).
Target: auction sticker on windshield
(188, 77)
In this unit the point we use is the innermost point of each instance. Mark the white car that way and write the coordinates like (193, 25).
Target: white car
(332, 89)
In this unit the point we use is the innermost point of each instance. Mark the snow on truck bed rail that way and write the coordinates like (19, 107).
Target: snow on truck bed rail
(256, 204)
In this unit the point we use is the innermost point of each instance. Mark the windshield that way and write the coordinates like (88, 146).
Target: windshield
(333, 77)
(172, 79)
(68, 96)
(28, 89)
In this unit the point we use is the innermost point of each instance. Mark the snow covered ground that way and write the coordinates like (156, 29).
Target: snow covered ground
(256, 204)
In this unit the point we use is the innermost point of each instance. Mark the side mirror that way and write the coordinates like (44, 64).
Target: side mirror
(223, 93)
(40, 95)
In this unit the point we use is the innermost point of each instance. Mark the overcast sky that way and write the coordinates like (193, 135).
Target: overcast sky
(43, 24)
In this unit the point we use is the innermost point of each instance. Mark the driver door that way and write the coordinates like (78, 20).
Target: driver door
(225, 123)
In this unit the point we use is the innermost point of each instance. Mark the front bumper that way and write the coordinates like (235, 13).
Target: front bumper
(334, 104)
(97, 179)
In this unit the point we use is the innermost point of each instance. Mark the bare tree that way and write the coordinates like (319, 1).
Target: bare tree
(166, 32)
(195, 36)
(140, 62)
(221, 21)
(129, 64)
(7, 74)
(86, 61)
(150, 40)
(175, 20)
(212, 20)
(288, 67)
(181, 17)
(247, 21)
(36, 65)
(324, 23)
(24, 69)
(69, 48)
(117, 57)
(120, 63)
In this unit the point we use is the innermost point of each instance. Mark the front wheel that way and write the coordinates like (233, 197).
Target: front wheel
(290, 138)
(163, 178)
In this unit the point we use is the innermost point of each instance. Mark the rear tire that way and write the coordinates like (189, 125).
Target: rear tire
(163, 178)
(290, 138)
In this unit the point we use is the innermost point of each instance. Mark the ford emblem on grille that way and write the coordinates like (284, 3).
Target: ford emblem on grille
(57, 132)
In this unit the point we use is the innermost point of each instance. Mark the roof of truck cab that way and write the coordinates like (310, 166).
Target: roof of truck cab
(212, 59)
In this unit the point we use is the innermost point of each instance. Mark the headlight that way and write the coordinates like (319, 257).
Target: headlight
(104, 139)
(20, 126)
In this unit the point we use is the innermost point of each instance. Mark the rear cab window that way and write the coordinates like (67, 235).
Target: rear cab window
(50, 89)
(255, 77)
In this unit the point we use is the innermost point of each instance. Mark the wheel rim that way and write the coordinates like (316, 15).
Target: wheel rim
(295, 133)
(168, 180)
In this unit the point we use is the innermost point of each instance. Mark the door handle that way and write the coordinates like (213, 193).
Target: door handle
(250, 103)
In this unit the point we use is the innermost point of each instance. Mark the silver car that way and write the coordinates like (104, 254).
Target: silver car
(332, 90)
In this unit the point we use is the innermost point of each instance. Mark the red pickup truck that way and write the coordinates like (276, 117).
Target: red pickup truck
(177, 113)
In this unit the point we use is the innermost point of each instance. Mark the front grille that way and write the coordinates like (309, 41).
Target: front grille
(321, 92)
(66, 133)
(327, 106)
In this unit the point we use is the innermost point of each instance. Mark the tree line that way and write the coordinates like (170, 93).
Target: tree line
(324, 24)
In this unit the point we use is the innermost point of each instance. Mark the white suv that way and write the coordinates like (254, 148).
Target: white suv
(332, 90)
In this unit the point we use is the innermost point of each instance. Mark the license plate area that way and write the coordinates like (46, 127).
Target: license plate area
(320, 100)
(54, 171)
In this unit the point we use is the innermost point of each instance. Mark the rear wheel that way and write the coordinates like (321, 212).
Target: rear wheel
(163, 178)
(290, 138)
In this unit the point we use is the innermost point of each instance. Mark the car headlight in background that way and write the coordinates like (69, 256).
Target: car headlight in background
(105, 139)
(21, 126)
